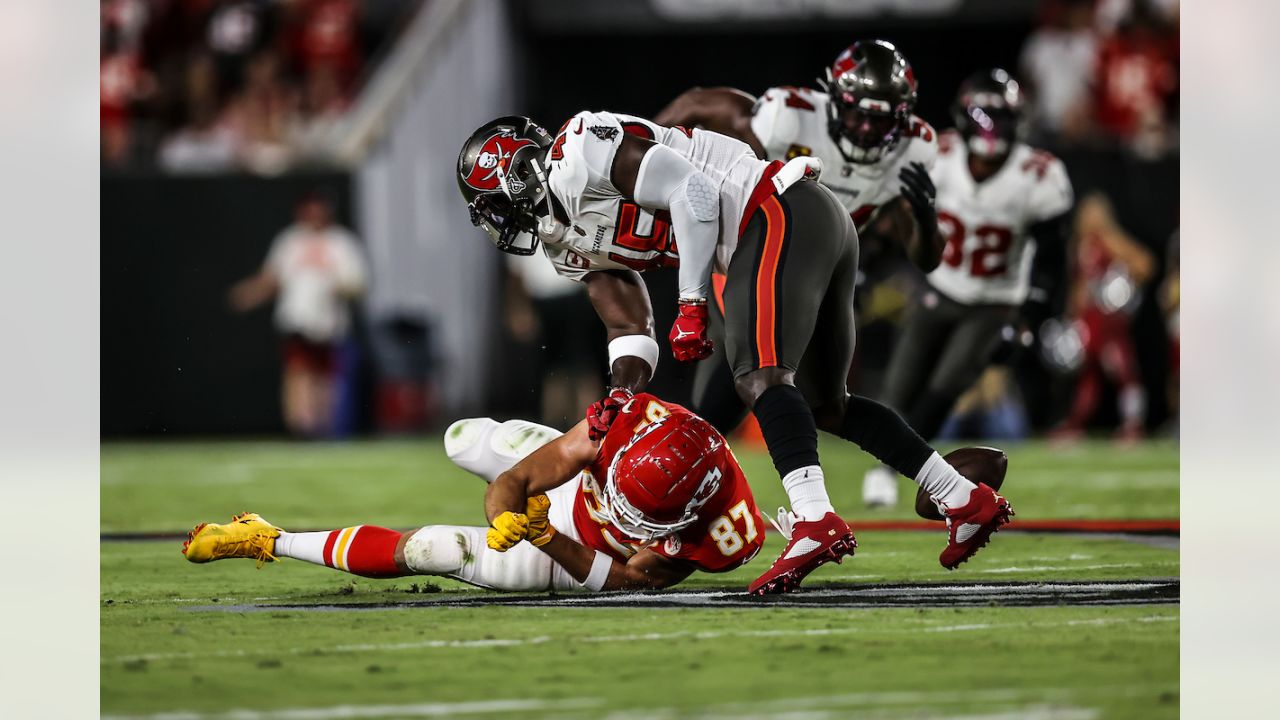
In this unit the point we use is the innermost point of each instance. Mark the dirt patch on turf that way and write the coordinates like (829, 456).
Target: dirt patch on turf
(1007, 594)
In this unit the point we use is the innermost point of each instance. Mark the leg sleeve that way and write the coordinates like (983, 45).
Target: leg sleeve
(488, 448)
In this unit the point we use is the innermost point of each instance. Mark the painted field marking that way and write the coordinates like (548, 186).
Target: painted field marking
(1008, 701)
(543, 639)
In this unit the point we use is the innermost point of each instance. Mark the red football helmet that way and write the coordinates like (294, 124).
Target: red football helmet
(658, 481)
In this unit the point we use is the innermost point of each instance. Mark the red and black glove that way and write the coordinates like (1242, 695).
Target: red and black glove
(688, 337)
(602, 413)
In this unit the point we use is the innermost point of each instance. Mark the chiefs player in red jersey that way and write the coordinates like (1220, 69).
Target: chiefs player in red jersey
(658, 497)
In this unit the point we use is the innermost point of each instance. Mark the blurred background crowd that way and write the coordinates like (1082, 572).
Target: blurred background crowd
(301, 152)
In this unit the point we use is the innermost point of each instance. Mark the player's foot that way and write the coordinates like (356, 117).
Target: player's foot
(246, 536)
(810, 544)
(970, 527)
(880, 487)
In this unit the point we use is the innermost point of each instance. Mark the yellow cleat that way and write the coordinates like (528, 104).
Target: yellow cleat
(246, 536)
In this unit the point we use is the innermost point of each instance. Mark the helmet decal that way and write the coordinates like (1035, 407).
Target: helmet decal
(494, 157)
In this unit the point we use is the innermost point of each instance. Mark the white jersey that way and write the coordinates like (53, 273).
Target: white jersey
(318, 272)
(989, 251)
(607, 232)
(790, 122)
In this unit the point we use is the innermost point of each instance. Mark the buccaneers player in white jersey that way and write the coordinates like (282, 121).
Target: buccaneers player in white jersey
(610, 195)
(658, 497)
(875, 153)
(1002, 205)
(876, 157)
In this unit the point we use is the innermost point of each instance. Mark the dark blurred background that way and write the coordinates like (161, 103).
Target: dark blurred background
(219, 115)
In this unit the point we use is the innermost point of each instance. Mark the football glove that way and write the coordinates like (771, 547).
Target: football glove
(689, 340)
(918, 189)
(540, 530)
(602, 413)
(507, 530)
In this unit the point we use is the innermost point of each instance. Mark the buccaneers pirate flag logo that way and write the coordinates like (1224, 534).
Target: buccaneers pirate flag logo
(495, 158)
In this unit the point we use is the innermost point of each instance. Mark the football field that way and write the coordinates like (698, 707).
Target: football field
(1037, 625)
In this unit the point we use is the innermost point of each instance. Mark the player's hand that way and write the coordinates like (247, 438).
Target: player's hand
(918, 190)
(688, 337)
(602, 413)
(507, 530)
(540, 530)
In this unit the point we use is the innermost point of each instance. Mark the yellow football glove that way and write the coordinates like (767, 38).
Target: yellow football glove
(540, 530)
(507, 530)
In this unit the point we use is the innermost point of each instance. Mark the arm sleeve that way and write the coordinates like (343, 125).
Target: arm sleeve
(666, 180)
(351, 267)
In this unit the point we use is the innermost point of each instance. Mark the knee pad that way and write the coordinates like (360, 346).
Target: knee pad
(486, 447)
(439, 550)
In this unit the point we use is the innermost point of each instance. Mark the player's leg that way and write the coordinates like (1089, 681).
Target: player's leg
(445, 550)
(960, 363)
(924, 334)
(776, 283)
(715, 398)
(487, 448)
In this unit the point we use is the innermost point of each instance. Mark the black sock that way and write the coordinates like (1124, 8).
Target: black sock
(883, 433)
(788, 427)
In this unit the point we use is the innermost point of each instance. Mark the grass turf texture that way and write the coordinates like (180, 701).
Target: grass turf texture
(159, 655)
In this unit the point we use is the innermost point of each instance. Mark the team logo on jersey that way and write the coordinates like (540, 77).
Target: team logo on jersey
(494, 157)
(604, 132)
(671, 545)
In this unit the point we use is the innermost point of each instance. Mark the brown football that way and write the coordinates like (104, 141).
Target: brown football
(980, 464)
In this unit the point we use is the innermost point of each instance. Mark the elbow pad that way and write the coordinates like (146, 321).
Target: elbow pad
(666, 178)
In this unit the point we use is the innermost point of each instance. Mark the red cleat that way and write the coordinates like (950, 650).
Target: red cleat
(970, 527)
(810, 545)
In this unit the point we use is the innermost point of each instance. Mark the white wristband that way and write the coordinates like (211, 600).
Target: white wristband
(641, 346)
(599, 572)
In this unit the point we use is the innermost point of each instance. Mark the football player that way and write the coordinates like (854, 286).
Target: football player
(658, 497)
(1001, 204)
(876, 156)
(609, 196)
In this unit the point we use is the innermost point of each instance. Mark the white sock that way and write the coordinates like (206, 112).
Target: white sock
(943, 483)
(308, 546)
(807, 490)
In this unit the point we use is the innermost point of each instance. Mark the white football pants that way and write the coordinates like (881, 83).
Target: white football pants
(487, 448)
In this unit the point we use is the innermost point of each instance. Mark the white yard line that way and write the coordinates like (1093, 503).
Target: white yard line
(344, 712)
(543, 639)
(1003, 704)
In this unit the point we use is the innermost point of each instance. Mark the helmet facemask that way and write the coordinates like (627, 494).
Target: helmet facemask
(865, 129)
(632, 521)
(501, 176)
(988, 114)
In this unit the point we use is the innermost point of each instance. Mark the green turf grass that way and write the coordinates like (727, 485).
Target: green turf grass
(172, 486)
(159, 654)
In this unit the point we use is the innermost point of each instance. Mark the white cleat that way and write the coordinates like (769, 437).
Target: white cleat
(880, 487)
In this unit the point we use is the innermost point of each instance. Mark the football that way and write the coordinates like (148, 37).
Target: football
(979, 464)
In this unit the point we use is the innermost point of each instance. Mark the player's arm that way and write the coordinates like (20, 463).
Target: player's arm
(1048, 270)
(722, 109)
(550, 466)
(622, 302)
(646, 570)
(657, 177)
(919, 233)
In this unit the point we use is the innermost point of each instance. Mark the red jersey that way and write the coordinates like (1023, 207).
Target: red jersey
(729, 530)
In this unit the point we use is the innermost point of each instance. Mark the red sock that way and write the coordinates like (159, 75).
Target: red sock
(364, 550)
